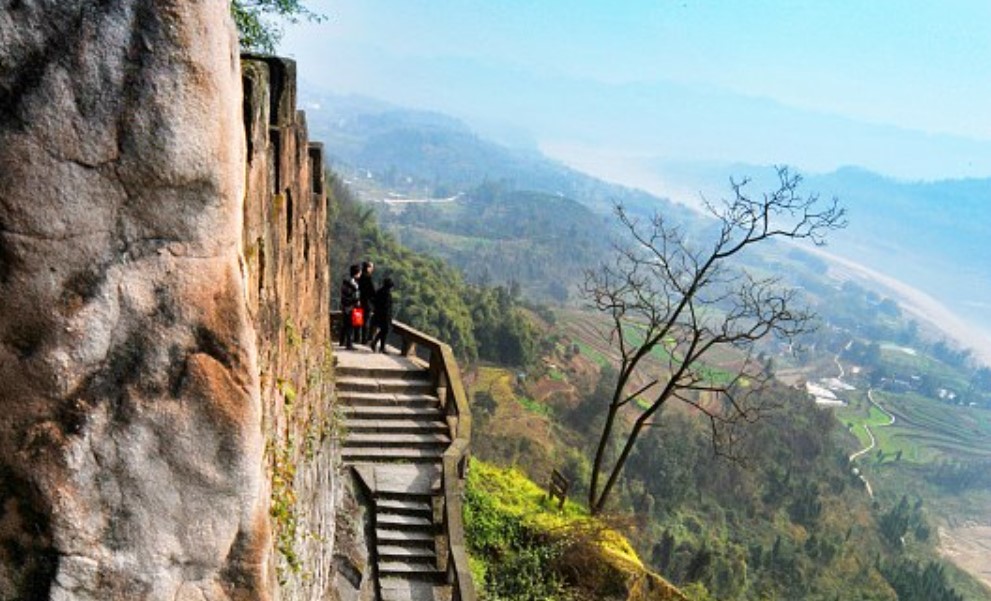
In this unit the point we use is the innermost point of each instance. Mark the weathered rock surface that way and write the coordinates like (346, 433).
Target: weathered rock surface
(131, 441)
(354, 578)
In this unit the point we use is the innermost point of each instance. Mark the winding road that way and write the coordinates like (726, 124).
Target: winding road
(870, 434)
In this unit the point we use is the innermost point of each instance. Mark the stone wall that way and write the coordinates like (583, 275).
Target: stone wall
(285, 241)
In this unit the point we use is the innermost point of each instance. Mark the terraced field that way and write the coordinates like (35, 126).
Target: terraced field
(936, 429)
(924, 431)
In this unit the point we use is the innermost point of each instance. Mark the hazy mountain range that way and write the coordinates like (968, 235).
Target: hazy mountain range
(929, 235)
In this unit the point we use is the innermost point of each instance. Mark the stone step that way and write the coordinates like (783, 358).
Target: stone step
(392, 440)
(403, 552)
(395, 521)
(382, 373)
(389, 399)
(401, 454)
(405, 506)
(418, 570)
(422, 498)
(360, 384)
(401, 589)
(406, 538)
(391, 411)
(396, 426)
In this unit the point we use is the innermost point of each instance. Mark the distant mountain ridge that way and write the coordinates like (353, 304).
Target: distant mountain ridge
(429, 152)
(931, 235)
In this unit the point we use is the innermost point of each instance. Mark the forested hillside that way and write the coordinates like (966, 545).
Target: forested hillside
(477, 321)
(788, 522)
(494, 233)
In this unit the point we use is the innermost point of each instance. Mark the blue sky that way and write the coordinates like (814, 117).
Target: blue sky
(900, 87)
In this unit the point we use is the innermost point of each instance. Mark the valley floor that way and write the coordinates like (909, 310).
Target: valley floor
(969, 547)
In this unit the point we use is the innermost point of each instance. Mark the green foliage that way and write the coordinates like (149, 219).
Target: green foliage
(769, 528)
(499, 234)
(904, 517)
(502, 331)
(511, 554)
(287, 389)
(293, 337)
(256, 29)
(283, 510)
(523, 547)
(920, 582)
(533, 405)
(958, 476)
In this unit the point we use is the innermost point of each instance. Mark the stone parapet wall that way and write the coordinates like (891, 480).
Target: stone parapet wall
(286, 255)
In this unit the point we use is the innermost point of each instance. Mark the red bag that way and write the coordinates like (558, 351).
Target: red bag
(357, 317)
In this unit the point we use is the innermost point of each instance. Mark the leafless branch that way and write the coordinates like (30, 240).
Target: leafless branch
(685, 293)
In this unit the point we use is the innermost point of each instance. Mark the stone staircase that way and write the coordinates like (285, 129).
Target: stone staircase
(396, 437)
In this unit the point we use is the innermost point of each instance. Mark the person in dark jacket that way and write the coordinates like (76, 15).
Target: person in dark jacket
(350, 296)
(366, 288)
(383, 314)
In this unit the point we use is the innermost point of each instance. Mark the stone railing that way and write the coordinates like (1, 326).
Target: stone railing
(445, 372)
(440, 362)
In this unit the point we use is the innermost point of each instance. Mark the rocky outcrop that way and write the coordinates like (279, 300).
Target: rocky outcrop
(138, 417)
(354, 579)
(285, 241)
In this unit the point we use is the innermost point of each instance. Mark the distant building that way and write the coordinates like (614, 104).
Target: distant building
(823, 396)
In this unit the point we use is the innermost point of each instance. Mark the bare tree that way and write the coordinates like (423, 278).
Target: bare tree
(681, 302)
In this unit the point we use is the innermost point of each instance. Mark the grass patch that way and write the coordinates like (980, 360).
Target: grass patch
(496, 381)
(594, 354)
(533, 406)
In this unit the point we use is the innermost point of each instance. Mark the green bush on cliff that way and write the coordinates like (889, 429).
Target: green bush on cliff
(523, 548)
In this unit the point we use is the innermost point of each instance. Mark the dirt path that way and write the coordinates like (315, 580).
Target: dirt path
(870, 434)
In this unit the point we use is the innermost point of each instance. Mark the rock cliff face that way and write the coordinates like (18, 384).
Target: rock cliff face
(138, 416)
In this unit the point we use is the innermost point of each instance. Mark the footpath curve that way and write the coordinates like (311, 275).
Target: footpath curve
(870, 434)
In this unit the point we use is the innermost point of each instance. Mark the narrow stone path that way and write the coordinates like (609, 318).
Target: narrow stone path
(396, 437)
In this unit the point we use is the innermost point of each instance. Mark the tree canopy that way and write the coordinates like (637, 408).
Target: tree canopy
(257, 30)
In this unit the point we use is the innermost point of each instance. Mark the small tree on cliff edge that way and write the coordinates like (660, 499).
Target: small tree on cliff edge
(670, 298)
(256, 31)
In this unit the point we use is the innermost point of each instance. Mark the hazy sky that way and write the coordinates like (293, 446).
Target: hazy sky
(898, 86)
